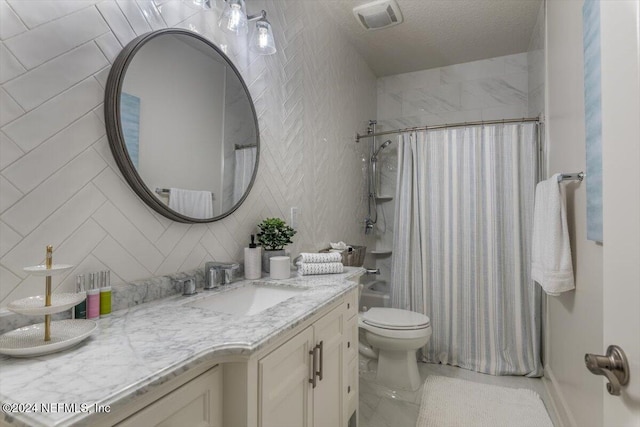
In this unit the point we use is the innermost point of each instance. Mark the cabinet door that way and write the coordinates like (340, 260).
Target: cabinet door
(198, 403)
(328, 396)
(284, 396)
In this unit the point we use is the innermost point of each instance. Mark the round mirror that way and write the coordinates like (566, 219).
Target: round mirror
(182, 126)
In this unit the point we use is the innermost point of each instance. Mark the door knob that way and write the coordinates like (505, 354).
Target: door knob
(613, 365)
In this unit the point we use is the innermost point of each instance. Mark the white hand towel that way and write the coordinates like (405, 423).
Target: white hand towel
(321, 257)
(194, 204)
(551, 264)
(310, 268)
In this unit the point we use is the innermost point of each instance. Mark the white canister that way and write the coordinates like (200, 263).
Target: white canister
(279, 267)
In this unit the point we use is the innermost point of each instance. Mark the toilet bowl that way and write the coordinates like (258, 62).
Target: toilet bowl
(395, 335)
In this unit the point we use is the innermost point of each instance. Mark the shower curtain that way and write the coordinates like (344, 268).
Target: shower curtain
(462, 239)
(244, 162)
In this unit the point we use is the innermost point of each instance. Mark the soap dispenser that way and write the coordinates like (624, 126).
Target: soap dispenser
(252, 260)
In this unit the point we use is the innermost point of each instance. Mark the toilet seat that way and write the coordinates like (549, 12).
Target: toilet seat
(395, 319)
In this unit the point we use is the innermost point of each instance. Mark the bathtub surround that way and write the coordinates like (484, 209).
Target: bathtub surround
(496, 88)
(462, 244)
(59, 184)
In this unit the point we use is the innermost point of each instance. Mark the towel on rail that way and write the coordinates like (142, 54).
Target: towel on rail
(551, 264)
(191, 203)
(320, 257)
(310, 268)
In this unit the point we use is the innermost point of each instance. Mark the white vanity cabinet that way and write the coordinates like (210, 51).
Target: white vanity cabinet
(311, 379)
(197, 403)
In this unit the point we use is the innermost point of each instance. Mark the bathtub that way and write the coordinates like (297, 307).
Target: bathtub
(375, 294)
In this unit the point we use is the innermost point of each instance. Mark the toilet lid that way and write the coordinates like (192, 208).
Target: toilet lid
(394, 318)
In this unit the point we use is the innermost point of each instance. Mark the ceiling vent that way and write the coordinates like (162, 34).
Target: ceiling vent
(378, 14)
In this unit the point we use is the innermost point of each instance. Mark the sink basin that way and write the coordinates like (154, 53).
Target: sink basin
(248, 300)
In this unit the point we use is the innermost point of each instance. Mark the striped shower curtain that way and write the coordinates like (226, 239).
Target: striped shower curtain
(463, 220)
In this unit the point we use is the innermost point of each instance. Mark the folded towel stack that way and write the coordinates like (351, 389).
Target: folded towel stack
(320, 263)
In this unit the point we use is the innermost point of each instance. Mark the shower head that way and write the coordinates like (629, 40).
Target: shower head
(382, 147)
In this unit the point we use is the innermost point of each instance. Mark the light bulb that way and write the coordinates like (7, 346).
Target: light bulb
(234, 17)
(262, 41)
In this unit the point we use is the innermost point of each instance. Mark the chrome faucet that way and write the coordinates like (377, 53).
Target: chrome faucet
(219, 273)
(188, 285)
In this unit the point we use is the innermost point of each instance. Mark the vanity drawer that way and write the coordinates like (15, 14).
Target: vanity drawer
(351, 304)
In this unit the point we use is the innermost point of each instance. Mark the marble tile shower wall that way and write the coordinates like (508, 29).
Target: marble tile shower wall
(496, 88)
(536, 64)
(60, 185)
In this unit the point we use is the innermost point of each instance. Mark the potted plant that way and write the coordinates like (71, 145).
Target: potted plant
(274, 235)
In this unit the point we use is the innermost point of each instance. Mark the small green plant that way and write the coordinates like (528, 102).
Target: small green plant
(275, 234)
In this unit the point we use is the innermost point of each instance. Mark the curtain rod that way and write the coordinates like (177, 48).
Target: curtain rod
(453, 125)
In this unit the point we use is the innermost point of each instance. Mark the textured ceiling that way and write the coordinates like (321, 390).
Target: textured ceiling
(436, 33)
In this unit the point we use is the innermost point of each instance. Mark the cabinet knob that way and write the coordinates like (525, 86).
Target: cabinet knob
(348, 344)
(348, 389)
(348, 305)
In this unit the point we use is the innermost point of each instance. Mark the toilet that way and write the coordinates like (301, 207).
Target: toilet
(395, 335)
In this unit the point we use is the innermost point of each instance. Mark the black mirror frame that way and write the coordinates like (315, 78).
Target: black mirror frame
(116, 137)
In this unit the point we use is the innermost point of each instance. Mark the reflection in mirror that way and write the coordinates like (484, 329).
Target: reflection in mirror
(186, 124)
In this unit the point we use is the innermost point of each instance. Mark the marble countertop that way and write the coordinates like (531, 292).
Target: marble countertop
(137, 349)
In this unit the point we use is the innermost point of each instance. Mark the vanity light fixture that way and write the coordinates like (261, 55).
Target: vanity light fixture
(234, 17)
(234, 20)
(262, 38)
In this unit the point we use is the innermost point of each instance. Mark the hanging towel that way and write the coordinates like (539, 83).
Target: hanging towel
(194, 204)
(551, 264)
(320, 257)
(309, 268)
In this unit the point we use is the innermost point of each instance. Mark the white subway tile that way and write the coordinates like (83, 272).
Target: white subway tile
(9, 194)
(54, 115)
(76, 248)
(9, 109)
(102, 76)
(119, 260)
(57, 37)
(89, 264)
(35, 13)
(40, 203)
(9, 238)
(99, 113)
(127, 235)
(54, 230)
(9, 282)
(122, 196)
(135, 16)
(109, 45)
(174, 11)
(53, 77)
(117, 22)
(214, 247)
(197, 257)
(10, 24)
(151, 14)
(171, 237)
(9, 151)
(179, 254)
(9, 65)
(37, 165)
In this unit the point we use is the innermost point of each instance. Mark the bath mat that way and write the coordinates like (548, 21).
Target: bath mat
(450, 402)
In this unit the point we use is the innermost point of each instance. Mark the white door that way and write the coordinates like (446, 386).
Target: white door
(620, 39)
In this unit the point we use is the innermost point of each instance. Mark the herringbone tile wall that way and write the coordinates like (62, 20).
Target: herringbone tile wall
(59, 183)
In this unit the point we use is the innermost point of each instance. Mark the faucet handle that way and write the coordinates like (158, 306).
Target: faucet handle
(188, 285)
(219, 273)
